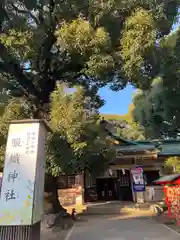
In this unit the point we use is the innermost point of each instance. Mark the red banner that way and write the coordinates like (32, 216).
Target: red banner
(172, 194)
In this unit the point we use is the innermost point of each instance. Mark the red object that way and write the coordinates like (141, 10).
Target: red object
(172, 194)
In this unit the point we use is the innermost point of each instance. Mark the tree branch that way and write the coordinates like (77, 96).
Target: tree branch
(48, 42)
(20, 88)
(12, 67)
(26, 12)
(4, 14)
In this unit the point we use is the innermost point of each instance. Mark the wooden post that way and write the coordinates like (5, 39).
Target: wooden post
(22, 192)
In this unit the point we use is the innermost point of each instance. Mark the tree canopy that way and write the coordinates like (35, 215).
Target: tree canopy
(78, 124)
(157, 108)
(91, 43)
(77, 141)
(172, 165)
(86, 43)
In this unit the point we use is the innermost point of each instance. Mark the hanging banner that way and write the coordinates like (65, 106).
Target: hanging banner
(138, 179)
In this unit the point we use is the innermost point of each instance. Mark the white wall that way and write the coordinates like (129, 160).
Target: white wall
(158, 194)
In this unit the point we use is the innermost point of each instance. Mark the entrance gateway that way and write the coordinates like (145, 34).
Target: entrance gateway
(122, 184)
(116, 186)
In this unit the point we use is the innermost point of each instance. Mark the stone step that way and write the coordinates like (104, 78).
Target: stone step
(104, 211)
(114, 208)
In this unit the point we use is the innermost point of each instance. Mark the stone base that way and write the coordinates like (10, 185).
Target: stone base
(140, 197)
(20, 232)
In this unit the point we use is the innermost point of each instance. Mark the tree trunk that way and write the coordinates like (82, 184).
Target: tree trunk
(52, 203)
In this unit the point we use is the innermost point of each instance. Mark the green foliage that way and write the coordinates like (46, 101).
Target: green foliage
(172, 165)
(86, 146)
(138, 38)
(91, 47)
(124, 126)
(91, 43)
(157, 109)
(18, 42)
(79, 37)
(127, 117)
(79, 128)
(15, 109)
(76, 142)
(149, 109)
(132, 131)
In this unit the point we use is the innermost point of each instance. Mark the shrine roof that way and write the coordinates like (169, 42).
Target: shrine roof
(167, 178)
(136, 148)
(168, 147)
(163, 147)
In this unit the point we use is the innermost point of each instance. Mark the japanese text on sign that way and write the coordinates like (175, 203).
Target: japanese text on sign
(14, 158)
(10, 195)
(13, 175)
(20, 177)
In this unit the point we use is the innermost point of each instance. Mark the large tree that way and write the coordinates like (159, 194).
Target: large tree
(77, 141)
(79, 125)
(157, 108)
(89, 43)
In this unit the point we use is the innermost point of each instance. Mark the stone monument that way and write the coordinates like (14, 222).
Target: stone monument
(22, 192)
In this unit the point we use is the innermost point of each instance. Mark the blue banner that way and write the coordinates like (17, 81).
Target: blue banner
(138, 179)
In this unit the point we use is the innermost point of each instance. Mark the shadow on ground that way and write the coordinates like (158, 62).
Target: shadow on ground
(168, 221)
(95, 213)
(59, 231)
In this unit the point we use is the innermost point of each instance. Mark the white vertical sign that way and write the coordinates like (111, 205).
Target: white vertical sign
(38, 208)
(20, 182)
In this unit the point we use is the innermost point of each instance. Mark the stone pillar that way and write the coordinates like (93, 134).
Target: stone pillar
(140, 197)
(22, 192)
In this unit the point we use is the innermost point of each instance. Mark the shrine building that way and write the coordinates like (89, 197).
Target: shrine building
(116, 182)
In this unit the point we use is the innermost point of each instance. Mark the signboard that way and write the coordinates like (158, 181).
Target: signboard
(138, 179)
(23, 177)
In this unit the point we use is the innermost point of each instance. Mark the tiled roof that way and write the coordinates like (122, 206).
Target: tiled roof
(135, 148)
(167, 178)
(163, 148)
(170, 149)
(167, 147)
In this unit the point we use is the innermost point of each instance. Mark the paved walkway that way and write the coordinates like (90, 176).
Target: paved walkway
(116, 228)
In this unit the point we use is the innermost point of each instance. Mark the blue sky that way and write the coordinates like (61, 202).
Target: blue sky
(118, 102)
